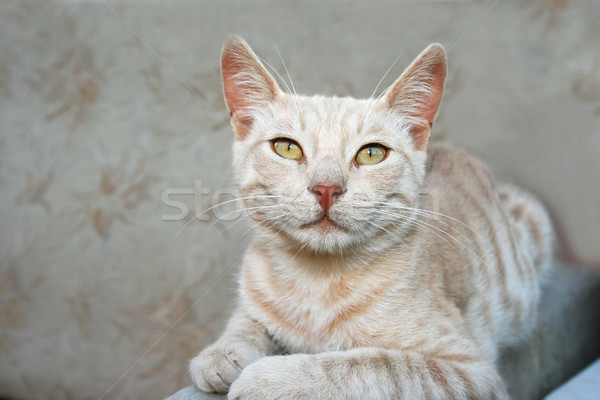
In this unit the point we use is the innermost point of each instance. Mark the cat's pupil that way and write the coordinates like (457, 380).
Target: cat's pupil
(289, 146)
(370, 152)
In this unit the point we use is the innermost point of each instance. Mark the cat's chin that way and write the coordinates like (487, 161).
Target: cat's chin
(324, 236)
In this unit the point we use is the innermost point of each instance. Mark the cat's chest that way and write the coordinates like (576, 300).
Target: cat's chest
(312, 316)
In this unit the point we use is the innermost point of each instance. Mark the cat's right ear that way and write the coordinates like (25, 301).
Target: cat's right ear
(417, 94)
(246, 83)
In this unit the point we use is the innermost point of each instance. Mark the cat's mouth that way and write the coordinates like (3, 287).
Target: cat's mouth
(324, 223)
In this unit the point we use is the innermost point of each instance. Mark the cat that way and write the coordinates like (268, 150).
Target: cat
(358, 286)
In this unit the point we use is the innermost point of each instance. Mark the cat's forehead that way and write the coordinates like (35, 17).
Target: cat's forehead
(333, 116)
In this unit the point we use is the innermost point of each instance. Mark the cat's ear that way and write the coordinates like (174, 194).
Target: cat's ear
(246, 83)
(418, 92)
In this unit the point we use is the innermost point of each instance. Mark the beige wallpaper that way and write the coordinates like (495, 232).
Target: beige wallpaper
(111, 114)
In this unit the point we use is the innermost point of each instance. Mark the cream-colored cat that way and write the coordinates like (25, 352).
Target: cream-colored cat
(368, 292)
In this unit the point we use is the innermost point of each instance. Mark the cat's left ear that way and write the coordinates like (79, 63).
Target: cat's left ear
(417, 94)
(246, 83)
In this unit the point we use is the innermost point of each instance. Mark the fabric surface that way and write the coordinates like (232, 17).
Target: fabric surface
(112, 111)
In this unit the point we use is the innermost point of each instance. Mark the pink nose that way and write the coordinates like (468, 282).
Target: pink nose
(326, 195)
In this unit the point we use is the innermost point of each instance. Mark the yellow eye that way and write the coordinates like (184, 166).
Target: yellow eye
(371, 154)
(287, 148)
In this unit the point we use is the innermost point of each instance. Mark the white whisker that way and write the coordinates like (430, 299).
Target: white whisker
(273, 219)
(428, 213)
(240, 210)
(425, 225)
(372, 100)
(382, 228)
(295, 93)
(299, 250)
(283, 81)
(286, 71)
(220, 204)
(272, 68)
(240, 219)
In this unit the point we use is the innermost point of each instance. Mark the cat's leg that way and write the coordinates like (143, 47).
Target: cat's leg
(371, 373)
(243, 342)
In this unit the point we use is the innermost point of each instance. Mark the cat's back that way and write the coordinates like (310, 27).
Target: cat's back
(459, 184)
(503, 233)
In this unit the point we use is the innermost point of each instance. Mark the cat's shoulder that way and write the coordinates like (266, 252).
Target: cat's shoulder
(452, 162)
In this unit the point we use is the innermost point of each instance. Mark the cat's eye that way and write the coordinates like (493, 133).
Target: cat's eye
(371, 154)
(287, 148)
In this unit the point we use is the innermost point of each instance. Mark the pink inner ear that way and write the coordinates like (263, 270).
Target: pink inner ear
(431, 107)
(418, 93)
(430, 102)
(246, 83)
(230, 66)
(233, 64)
(241, 125)
(231, 96)
(420, 134)
(235, 103)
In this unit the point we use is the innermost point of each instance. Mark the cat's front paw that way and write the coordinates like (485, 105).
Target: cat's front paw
(218, 366)
(275, 377)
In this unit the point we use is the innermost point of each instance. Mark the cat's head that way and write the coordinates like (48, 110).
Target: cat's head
(329, 174)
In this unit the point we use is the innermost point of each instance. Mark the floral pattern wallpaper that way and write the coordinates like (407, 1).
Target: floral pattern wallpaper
(112, 111)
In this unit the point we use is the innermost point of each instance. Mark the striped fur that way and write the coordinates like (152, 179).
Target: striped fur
(429, 269)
